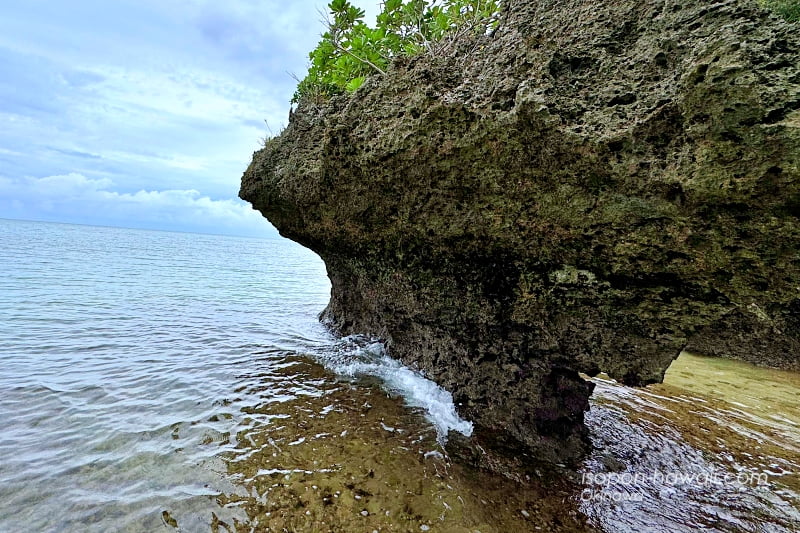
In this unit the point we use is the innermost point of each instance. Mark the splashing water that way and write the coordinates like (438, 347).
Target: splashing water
(357, 355)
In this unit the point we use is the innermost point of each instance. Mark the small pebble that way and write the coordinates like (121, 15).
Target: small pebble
(525, 513)
(424, 527)
(364, 513)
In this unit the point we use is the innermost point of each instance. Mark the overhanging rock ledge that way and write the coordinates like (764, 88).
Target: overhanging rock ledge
(594, 187)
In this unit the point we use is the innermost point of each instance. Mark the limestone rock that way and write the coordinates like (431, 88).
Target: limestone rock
(592, 188)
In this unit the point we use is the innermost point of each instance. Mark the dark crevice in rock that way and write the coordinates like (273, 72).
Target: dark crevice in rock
(778, 114)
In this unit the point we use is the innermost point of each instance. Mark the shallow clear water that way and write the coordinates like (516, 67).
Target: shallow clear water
(120, 355)
(131, 362)
(689, 455)
(157, 381)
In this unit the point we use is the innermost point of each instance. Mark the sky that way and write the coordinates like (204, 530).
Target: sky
(145, 113)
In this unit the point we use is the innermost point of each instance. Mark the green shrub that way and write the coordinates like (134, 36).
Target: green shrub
(788, 9)
(350, 50)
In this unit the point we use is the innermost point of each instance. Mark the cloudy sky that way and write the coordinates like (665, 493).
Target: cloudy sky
(145, 113)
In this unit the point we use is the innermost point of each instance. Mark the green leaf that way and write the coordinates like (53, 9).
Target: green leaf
(351, 50)
(355, 83)
(337, 6)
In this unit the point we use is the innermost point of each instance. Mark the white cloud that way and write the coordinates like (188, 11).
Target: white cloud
(69, 184)
(76, 198)
(135, 107)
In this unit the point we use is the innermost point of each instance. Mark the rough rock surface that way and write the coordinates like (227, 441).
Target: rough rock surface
(594, 187)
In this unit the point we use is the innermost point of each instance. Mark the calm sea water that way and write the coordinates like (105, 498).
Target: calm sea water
(134, 363)
(119, 352)
(154, 381)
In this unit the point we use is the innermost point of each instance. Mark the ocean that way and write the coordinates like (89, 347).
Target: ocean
(156, 381)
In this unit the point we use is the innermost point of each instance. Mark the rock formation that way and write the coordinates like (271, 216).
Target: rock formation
(593, 187)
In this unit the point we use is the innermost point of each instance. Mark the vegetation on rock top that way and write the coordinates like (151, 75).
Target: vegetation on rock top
(350, 50)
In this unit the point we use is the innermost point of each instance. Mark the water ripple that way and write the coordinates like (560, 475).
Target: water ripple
(119, 352)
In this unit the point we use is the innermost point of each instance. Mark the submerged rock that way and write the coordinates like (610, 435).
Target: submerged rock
(591, 188)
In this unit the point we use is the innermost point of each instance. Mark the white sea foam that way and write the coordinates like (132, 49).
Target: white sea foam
(359, 356)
